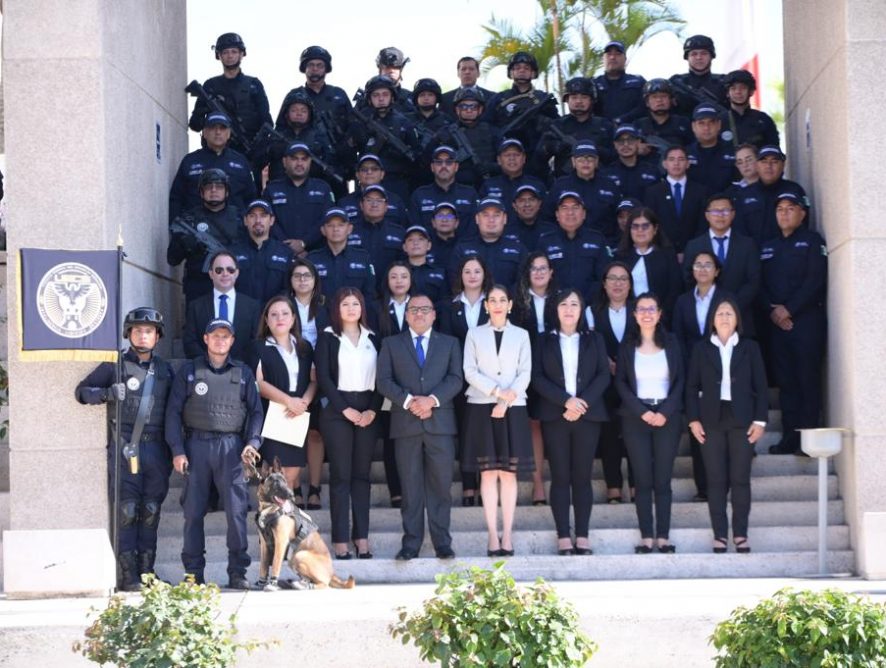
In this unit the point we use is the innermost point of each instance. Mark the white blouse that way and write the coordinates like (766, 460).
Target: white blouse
(569, 351)
(726, 361)
(653, 379)
(308, 327)
(539, 304)
(618, 320)
(472, 311)
(356, 364)
(290, 359)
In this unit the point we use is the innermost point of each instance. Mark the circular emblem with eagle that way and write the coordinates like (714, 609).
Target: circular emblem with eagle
(72, 300)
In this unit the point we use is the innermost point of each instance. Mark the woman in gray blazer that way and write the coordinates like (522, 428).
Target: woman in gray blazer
(498, 366)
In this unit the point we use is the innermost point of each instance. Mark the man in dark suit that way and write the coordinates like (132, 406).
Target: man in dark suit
(420, 371)
(222, 303)
(739, 256)
(678, 201)
(468, 69)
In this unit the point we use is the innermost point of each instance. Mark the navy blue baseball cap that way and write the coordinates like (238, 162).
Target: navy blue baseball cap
(374, 189)
(627, 129)
(528, 188)
(370, 156)
(490, 202)
(570, 194)
(217, 118)
(584, 148)
(772, 150)
(705, 110)
(511, 143)
(260, 204)
(445, 205)
(627, 204)
(792, 196)
(614, 44)
(218, 323)
(335, 212)
(297, 147)
(416, 228)
(443, 148)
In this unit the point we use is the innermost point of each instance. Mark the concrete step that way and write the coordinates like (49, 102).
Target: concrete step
(766, 488)
(604, 516)
(794, 563)
(386, 544)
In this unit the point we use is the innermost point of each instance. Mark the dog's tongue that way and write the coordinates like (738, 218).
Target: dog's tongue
(285, 504)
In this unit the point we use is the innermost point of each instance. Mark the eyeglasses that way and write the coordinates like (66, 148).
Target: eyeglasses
(719, 212)
(641, 226)
(419, 310)
(703, 266)
(468, 106)
(444, 216)
(539, 270)
(303, 276)
(372, 201)
(221, 270)
(618, 279)
(745, 161)
(646, 309)
(443, 163)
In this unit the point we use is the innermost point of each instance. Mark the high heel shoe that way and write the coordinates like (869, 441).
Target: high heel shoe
(298, 499)
(362, 555)
(314, 491)
(741, 545)
(468, 501)
(720, 545)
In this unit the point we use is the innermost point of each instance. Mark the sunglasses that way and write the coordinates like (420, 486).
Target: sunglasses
(221, 270)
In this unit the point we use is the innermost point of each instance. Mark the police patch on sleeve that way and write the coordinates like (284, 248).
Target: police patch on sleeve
(201, 388)
(202, 227)
(133, 384)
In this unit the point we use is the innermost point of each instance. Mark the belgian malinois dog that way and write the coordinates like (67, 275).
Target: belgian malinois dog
(283, 526)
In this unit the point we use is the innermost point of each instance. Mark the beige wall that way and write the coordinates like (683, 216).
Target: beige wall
(85, 84)
(835, 55)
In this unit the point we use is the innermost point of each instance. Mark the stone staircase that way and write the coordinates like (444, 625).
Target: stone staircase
(783, 532)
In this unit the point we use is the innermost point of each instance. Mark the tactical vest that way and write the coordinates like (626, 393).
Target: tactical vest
(134, 372)
(214, 402)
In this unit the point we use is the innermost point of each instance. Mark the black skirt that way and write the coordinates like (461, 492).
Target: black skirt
(502, 444)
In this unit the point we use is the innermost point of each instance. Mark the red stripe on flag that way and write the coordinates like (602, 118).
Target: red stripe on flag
(753, 66)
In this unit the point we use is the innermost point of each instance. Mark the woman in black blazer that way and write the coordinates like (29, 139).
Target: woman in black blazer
(653, 262)
(691, 321)
(307, 295)
(388, 317)
(533, 312)
(650, 380)
(347, 354)
(466, 310)
(612, 317)
(727, 414)
(570, 373)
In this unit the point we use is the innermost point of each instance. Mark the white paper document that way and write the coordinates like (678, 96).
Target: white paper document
(279, 427)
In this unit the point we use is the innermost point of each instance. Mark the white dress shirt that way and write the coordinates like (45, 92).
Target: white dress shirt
(424, 346)
(308, 326)
(399, 310)
(539, 304)
(682, 183)
(290, 359)
(638, 273)
(702, 307)
(569, 351)
(725, 360)
(653, 378)
(356, 364)
(716, 246)
(232, 300)
(472, 311)
(618, 320)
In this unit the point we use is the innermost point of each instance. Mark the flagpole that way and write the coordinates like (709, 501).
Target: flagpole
(118, 407)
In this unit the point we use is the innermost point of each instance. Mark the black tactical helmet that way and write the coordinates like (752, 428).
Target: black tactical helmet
(580, 86)
(523, 57)
(657, 86)
(213, 175)
(300, 97)
(741, 76)
(143, 315)
(698, 42)
(315, 53)
(391, 56)
(426, 86)
(229, 40)
(469, 93)
(380, 81)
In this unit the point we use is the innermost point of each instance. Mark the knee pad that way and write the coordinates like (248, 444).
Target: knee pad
(128, 513)
(150, 516)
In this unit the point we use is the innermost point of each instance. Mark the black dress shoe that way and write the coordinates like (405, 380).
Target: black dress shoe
(445, 553)
(468, 501)
(406, 555)
(582, 551)
(505, 553)
(783, 448)
(565, 551)
(667, 548)
(396, 502)
(494, 553)
(344, 556)
(700, 498)
(642, 549)
(239, 582)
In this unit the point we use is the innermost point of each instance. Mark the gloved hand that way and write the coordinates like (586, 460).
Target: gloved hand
(188, 243)
(117, 392)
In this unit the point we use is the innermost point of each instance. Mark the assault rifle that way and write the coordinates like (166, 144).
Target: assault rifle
(212, 245)
(466, 150)
(267, 131)
(381, 132)
(527, 114)
(220, 105)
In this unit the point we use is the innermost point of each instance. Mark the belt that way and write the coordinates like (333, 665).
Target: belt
(652, 402)
(196, 433)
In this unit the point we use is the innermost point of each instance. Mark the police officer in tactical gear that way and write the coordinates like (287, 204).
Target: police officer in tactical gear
(508, 105)
(426, 117)
(390, 62)
(215, 154)
(619, 95)
(743, 124)
(213, 424)
(660, 121)
(146, 381)
(201, 231)
(475, 140)
(242, 96)
(698, 84)
(579, 124)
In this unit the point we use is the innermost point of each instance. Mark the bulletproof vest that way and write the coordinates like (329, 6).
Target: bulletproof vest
(214, 402)
(134, 378)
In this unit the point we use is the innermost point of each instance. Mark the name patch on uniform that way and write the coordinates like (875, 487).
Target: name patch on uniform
(201, 388)
(589, 245)
(357, 265)
(555, 256)
(133, 384)
(801, 244)
(275, 258)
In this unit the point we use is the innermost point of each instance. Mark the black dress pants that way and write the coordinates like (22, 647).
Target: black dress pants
(570, 448)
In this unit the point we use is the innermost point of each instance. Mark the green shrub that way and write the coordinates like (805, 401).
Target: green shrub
(480, 617)
(827, 629)
(171, 626)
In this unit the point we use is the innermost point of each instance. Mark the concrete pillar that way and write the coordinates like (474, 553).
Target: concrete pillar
(95, 115)
(835, 53)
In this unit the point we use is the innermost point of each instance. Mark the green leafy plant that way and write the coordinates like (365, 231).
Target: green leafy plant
(173, 625)
(4, 396)
(480, 617)
(827, 629)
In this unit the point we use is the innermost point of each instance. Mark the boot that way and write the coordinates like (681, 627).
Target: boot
(146, 561)
(129, 573)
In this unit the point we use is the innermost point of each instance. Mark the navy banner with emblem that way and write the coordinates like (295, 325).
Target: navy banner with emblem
(69, 305)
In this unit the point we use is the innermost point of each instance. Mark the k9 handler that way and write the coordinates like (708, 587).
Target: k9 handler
(213, 422)
(143, 393)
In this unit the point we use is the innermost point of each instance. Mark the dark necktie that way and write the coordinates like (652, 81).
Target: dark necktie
(223, 307)
(419, 350)
(721, 248)
(678, 198)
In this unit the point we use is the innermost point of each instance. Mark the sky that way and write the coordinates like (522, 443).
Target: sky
(434, 34)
